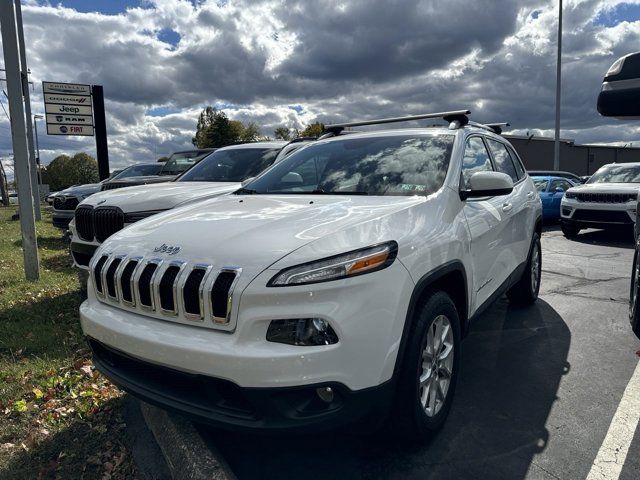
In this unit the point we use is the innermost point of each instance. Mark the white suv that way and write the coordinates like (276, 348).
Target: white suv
(607, 200)
(336, 285)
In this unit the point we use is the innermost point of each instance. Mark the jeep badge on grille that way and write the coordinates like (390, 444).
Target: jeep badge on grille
(168, 249)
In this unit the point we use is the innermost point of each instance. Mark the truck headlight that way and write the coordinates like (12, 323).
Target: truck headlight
(350, 264)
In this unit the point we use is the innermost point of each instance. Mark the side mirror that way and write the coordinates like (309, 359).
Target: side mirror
(292, 178)
(488, 184)
(620, 93)
(559, 190)
(246, 181)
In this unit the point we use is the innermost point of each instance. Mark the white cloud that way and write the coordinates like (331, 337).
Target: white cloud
(278, 62)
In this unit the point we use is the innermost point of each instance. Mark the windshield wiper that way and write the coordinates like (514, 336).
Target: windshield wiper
(245, 191)
(320, 192)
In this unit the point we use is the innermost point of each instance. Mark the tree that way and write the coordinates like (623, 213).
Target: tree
(215, 129)
(282, 133)
(64, 171)
(163, 159)
(313, 130)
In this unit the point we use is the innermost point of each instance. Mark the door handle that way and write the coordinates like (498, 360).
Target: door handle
(506, 207)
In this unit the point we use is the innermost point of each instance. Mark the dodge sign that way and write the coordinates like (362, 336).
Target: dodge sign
(69, 108)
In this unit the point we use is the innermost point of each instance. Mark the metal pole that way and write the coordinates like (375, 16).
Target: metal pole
(33, 168)
(35, 131)
(556, 145)
(19, 139)
(102, 150)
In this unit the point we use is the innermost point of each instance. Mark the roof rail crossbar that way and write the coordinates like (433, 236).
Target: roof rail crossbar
(492, 127)
(460, 115)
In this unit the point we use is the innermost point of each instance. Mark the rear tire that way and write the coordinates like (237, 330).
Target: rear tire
(525, 292)
(429, 370)
(569, 231)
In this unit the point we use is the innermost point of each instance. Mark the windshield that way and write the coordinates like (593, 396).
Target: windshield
(388, 165)
(139, 170)
(616, 174)
(234, 165)
(540, 183)
(181, 161)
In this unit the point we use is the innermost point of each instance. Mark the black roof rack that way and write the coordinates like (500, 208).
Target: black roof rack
(458, 116)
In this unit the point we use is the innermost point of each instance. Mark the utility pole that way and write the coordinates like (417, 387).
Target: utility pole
(556, 144)
(35, 188)
(19, 138)
(102, 150)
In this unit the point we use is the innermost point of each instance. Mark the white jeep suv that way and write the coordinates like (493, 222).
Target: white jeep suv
(607, 200)
(336, 285)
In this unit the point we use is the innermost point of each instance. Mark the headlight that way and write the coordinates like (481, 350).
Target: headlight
(349, 264)
(571, 195)
(137, 216)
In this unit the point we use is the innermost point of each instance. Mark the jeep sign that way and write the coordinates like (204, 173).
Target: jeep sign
(69, 108)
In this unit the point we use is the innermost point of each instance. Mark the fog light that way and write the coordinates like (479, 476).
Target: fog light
(302, 331)
(325, 394)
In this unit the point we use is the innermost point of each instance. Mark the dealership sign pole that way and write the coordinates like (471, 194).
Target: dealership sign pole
(19, 138)
(78, 109)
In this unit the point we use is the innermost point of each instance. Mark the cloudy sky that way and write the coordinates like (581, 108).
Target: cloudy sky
(279, 62)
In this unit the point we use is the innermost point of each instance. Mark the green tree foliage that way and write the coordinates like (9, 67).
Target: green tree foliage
(64, 171)
(282, 133)
(312, 130)
(163, 159)
(215, 129)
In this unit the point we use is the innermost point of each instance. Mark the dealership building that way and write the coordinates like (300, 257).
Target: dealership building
(537, 154)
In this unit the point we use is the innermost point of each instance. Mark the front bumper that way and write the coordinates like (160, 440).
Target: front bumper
(222, 403)
(61, 218)
(367, 313)
(597, 215)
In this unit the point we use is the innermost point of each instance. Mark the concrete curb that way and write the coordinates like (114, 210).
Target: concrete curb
(187, 456)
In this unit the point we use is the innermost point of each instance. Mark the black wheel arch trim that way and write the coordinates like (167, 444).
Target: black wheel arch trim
(421, 286)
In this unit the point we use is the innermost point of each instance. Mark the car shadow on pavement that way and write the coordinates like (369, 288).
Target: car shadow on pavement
(512, 363)
(622, 238)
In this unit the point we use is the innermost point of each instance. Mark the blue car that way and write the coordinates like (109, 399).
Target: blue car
(551, 190)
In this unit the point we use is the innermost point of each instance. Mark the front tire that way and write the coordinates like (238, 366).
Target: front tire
(429, 371)
(525, 292)
(569, 231)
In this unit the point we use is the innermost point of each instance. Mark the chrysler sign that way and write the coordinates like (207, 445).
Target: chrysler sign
(69, 108)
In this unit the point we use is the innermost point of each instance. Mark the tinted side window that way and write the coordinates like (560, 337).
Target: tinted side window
(476, 159)
(503, 159)
(517, 162)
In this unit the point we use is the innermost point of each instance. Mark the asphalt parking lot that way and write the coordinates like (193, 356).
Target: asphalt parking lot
(537, 394)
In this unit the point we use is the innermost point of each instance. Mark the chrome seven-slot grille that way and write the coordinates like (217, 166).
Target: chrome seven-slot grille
(99, 223)
(172, 288)
(606, 197)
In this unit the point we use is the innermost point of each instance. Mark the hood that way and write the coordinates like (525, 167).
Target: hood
(142, 180)
(254, 231)
(79, 190)
(606, 188)
(159, 196)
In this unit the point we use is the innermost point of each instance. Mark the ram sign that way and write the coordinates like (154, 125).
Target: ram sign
(69, 108)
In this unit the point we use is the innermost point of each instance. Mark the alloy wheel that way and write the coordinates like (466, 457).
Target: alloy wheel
(437, 366)
(535, 267)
